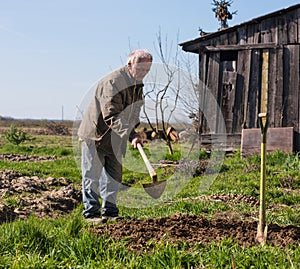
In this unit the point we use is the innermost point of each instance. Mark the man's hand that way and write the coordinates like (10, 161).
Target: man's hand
(136, 140)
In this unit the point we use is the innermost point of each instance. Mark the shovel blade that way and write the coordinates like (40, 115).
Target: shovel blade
(261, 236)
(155, 189)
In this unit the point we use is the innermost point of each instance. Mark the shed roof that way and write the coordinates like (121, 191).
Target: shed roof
(188, 45)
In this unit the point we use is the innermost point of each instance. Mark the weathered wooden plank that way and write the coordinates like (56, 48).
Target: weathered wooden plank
(232, 38)
(291, 86)
(298, 23)
(279, 100)
(243, 73)
(268, 30)
(242, 35)
(288, 27)
(195, 47)
(216, 41)
(254, 89)
(277, 139)
(239, 47)
(211, 106)
(220, 123)
(282, 30)
(274, 31)
(202, 89)
(286, 86)
(272, 87)
(202, 66)
(224, 39)
(253, 33)
(292, 27)
(230, 141)
(275, 105)
(240, 88)
(294, 85)
(228, 97)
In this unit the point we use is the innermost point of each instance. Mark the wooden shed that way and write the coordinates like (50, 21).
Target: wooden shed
(252, 67)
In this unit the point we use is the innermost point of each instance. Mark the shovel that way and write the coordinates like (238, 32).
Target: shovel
(262, 228)
(154, 189)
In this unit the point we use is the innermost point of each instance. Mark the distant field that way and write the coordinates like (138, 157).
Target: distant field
(35, 126)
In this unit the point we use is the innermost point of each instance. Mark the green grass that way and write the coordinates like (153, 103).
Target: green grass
(68, 243)
(63, 167)
(58, 146)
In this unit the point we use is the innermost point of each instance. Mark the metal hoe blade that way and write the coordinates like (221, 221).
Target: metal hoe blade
(154, 189)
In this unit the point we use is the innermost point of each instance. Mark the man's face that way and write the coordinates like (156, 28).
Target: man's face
(140, 70)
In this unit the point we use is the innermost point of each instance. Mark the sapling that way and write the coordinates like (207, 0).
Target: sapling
(17, 136)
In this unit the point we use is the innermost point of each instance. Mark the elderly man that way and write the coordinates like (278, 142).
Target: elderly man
(105, 129)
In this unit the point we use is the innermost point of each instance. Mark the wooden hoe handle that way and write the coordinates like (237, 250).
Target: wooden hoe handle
(147, 163)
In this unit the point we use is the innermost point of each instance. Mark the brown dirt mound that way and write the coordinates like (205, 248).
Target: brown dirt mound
(193, 229)
(26, 158)
(231, 198)
(22, 196)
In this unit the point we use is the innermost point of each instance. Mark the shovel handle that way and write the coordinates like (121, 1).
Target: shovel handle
(261, 236)
(264, 124)
(147, 163)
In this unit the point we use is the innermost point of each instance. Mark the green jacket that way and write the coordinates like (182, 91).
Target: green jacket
(114, 110)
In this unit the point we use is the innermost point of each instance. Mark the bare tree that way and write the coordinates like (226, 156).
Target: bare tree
(164, 97)
(173, 100)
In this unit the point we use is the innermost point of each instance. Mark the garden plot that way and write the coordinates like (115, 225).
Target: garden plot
(49, 197)
(141, 235)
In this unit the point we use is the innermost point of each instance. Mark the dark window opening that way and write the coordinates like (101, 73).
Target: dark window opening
(229, 59)
(229, 55)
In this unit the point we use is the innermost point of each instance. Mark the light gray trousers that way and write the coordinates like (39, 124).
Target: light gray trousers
(101, 178)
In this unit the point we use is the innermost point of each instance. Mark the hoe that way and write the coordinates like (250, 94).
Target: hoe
(156, 188)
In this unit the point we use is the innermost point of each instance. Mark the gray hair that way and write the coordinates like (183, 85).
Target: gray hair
(136, 55)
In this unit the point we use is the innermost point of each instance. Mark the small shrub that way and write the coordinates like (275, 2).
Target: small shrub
(173, 157)
(16, 136)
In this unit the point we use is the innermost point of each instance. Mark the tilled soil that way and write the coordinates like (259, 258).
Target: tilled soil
(26, 158)
(192, 229)
(22, 196)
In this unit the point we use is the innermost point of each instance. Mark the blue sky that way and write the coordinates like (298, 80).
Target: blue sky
(53, 51)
